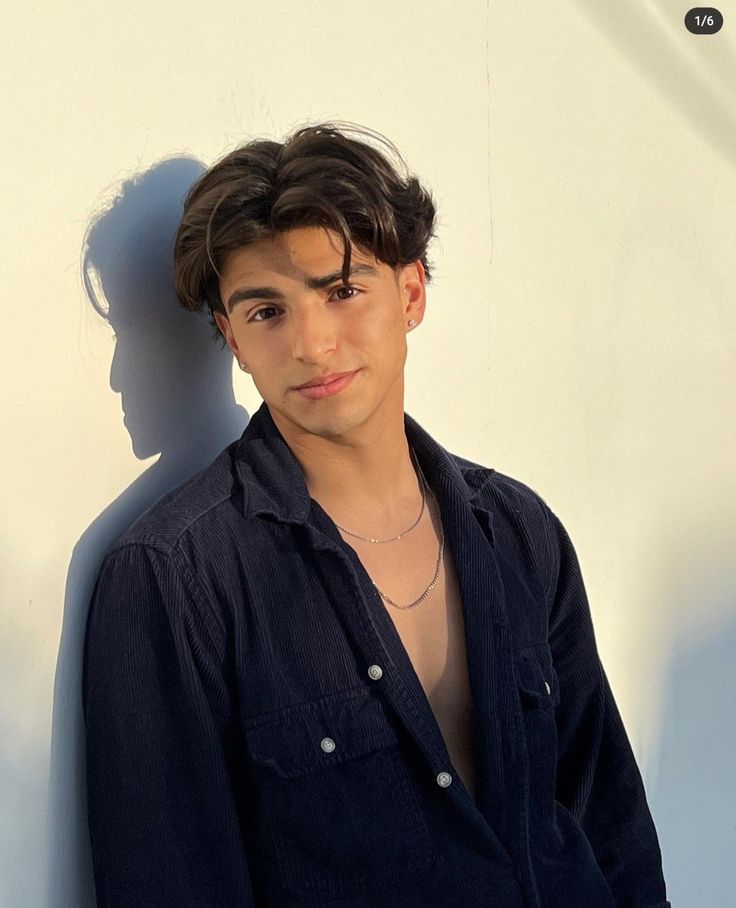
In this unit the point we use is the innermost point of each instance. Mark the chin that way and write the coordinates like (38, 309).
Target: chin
(333, 425)
(327, 421)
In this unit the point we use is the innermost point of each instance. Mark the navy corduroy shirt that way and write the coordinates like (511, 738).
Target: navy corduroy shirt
(257, 736)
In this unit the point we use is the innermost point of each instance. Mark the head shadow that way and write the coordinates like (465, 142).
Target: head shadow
(174, 381)
(176, 395)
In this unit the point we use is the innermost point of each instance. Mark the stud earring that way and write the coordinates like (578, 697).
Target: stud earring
(411, 323)
(243, 366)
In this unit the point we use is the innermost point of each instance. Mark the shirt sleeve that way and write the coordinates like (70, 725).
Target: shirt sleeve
(598, 780)
(161, 741)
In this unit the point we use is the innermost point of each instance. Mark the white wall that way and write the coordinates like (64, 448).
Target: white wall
(581, 334)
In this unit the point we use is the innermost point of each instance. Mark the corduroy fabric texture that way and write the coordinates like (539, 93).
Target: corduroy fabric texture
(241, 755)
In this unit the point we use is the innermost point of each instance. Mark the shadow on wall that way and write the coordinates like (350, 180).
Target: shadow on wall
(175, 384)
(694, 797)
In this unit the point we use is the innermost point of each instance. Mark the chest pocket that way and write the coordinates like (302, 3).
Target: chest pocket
(538, 684)
(539, 693)
(337, 797)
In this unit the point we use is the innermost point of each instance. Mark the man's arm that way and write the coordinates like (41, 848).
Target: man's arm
(598, 780)
(160, 735)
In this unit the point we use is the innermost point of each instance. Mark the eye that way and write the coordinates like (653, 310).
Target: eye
(353, 291)
(259, 312)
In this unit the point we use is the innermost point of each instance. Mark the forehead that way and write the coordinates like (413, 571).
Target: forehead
(292, 255)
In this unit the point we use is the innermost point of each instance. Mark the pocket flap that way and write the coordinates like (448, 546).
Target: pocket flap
(318, 735)
(538, 683)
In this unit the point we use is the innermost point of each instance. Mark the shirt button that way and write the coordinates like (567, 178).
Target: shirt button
(375, 672)
(549, 689)
(327, 744)
(444, 779)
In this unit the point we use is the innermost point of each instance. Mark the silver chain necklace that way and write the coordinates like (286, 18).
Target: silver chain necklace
(423, 484)
(425, 489)
(431, 585)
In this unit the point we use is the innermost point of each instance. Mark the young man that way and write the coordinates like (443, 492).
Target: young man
(343, 666)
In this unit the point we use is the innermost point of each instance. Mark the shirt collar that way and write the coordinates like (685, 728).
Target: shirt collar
(273, 480)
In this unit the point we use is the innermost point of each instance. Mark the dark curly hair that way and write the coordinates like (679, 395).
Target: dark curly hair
(320, 176)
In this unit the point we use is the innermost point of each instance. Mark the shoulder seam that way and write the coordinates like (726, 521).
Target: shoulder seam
(155, 541)
(180, 565)
(209, 615)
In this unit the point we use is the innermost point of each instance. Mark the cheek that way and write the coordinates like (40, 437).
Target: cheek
(252, 345)
(381, 334)
(266, 354)
(391, 340)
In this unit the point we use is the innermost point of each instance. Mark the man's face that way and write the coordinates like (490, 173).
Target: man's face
(291, 320)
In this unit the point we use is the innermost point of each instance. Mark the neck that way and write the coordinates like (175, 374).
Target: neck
(366, 481)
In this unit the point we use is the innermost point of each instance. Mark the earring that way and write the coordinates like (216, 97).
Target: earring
(243, 366)
(411, 323)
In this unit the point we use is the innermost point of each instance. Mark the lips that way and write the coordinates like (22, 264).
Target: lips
(328, 386)
(325, 380)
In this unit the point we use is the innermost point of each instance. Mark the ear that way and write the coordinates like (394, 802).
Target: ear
(412, 281)
(223, 323)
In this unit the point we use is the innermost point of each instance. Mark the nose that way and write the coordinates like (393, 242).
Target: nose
(314, 334)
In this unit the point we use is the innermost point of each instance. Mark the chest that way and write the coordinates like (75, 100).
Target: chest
(302, 632)
(433, 635)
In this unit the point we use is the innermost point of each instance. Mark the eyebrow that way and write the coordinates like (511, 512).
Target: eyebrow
(313, 283)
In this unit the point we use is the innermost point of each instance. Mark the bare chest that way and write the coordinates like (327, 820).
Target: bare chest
(433, 636)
